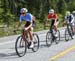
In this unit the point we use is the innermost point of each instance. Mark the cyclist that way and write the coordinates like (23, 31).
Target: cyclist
(29, 18)
(69, 18)
(54, 17)
(74, 19)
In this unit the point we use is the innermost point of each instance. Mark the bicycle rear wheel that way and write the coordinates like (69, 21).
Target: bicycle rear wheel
(48, 39)
(36, 42)
(20, 46)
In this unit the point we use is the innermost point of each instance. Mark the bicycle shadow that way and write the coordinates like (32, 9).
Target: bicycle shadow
(43, 42)
(5, 56)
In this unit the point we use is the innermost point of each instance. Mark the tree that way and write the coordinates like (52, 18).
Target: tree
(62, 6)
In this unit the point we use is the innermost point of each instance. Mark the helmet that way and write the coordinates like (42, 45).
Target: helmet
(23, 10)
(51, 11)
(68, 13)
(73, 12)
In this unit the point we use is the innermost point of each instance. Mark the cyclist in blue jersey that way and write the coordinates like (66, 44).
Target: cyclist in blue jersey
(29, 18)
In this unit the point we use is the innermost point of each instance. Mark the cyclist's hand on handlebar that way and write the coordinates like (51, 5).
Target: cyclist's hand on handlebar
(15, 29)
(25, 28)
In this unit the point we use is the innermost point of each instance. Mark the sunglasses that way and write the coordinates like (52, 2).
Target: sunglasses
(22, 13)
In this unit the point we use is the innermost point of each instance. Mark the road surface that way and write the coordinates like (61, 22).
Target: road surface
(64, 51)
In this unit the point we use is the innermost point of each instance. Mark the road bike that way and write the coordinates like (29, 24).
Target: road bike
(50, 36)
(68, 31)
(22, 44)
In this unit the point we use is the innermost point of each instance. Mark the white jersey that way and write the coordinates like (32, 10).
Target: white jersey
(69, 18)
(74, 17)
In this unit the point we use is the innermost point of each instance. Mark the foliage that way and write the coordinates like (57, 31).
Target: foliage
(10, 9)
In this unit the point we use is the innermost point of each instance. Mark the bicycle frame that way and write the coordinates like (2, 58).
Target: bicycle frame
(24, 36)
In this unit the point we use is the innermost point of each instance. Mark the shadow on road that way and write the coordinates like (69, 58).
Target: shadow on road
(8, 55)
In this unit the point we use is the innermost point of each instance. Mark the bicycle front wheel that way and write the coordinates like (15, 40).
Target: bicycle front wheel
(58, 37)
(36, 42)
(48, 39)
(20, 46)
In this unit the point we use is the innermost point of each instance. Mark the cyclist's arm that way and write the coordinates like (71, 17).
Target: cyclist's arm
(56, 18)
(19, 24)
(33, 18)
(66, 19)
(72, 19)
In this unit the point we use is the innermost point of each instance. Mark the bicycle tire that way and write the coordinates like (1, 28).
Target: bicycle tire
(36, 42)
(19, 53)
(49, 39)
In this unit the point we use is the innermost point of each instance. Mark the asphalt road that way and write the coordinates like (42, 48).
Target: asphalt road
(64, 51)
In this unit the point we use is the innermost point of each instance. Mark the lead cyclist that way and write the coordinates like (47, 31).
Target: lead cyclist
(29, 18)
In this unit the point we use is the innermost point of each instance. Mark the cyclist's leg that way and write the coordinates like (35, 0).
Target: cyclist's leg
(56, 25)
(72, 28)
(26, 34)
(24, 37)
(30, 33)
(30, 30)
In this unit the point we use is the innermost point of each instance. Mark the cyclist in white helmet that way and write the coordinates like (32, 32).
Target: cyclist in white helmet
(69, 18)
(29, 18)
(54, 17)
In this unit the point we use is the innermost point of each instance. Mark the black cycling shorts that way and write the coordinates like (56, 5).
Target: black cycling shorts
(27, 23)
(52, 22)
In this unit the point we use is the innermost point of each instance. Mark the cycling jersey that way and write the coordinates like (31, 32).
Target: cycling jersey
(27, 17)
(52, 16)
(73, 16)
(69, 18)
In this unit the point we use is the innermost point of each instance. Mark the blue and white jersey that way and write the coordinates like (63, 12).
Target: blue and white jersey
(69, 18)
(27, 17)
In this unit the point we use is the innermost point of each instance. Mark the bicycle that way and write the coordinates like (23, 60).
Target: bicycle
(68, 31)
(21, 40)
(50, 37)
